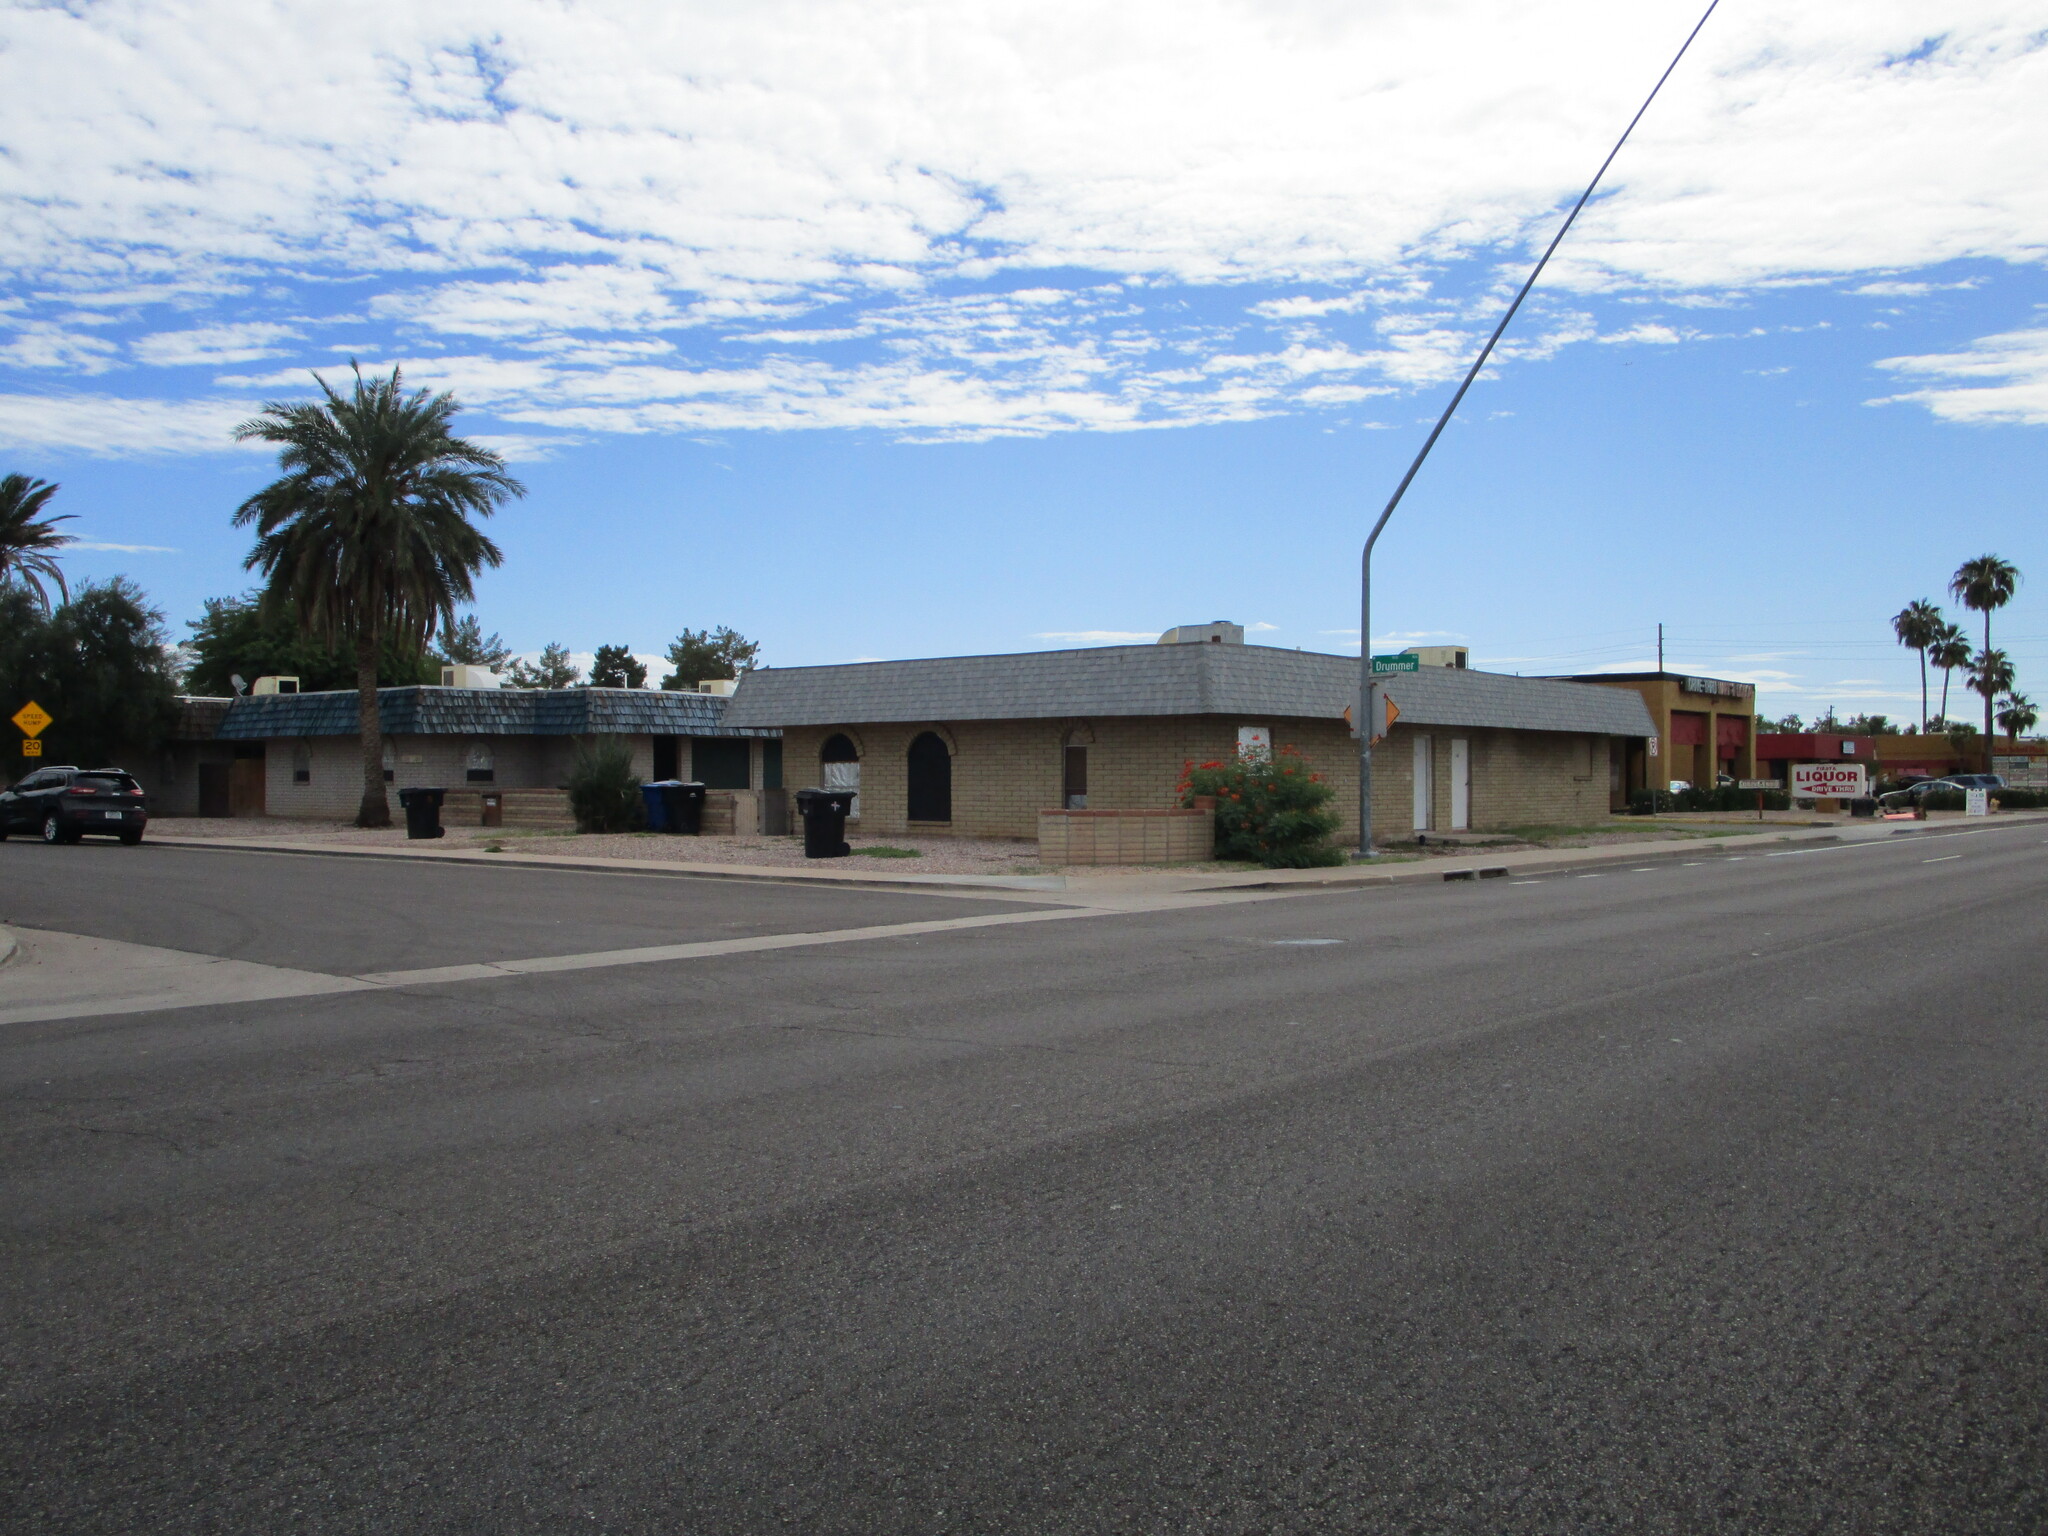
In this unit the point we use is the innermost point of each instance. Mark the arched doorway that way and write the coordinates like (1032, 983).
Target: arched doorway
(839, 766)
(931, 779)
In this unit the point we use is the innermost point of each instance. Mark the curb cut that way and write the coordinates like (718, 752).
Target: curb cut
(9, 948)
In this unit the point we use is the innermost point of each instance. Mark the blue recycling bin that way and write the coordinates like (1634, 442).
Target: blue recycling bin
(656, 796)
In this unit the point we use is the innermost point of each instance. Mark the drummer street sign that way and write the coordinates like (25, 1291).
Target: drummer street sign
(32, 719)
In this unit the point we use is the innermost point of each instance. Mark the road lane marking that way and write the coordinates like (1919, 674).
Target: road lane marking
(66, 976)
(1943, 859)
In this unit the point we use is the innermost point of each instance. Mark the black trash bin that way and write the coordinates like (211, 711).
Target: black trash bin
(423, 812)
(686, 808)
(824, 812)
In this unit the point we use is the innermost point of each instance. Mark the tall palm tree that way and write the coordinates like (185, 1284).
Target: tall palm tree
(1984, 584)
(1951, 649)
(2017, 714)
(1917, 625)
(367, 533)
(29, 541)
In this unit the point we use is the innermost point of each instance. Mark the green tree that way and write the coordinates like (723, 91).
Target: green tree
(2017, 715)
(1918, 626)
(242, 637)
(1788, 725)
(698, 655)
(1991, 674)
(1870, 725)
(553, 670)
(1951, 649)
(467, 645)
(29, 540)
(1983, 585)
(99, 664)
(615, 666)
(368, 531)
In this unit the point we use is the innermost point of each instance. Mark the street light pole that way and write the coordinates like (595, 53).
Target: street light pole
(1366, 702)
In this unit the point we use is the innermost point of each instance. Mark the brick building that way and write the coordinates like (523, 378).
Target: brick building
(1705, 727)
(298, 754)
(979, 745)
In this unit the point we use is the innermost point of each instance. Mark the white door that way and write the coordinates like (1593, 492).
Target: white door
(1425, 781)
(1461, 783)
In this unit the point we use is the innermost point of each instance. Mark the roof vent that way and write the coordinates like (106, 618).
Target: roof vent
(1222, 632)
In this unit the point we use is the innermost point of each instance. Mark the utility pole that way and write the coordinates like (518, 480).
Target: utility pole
(1660, 647)
(1367, 702)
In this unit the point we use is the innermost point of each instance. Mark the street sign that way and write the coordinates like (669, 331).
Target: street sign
(32, 719)
(1397, 663)
(31, 748)
(1760, 784)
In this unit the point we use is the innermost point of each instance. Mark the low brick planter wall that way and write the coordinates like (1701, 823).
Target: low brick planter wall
(1126, 837)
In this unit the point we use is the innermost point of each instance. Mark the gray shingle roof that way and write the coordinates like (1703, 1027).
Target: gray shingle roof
(1111, 680)
(486, 712)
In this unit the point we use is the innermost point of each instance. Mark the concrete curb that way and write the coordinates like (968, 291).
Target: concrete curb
(1165, 883)
(1021, 884)
(9, 948)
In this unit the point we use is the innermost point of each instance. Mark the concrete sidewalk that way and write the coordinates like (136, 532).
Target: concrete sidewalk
(1084, 889)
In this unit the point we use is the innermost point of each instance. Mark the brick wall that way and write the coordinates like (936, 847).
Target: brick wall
(1126, 837)
(1006, 771)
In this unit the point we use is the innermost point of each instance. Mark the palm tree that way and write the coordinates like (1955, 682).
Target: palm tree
(1983, 584)
(1951, 649)
(1991, 674)
(29, 541)
(2017, 714)
(367, 534)
(1918, 625)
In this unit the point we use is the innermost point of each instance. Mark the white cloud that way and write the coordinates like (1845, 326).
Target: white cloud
(2005, 379)
(592, 201)
(213, 345)
(123, 549)
(115, 427)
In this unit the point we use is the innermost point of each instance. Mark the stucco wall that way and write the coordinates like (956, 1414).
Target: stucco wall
(336, 786)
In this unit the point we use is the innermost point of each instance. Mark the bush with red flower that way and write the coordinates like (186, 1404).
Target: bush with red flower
(1269, 810)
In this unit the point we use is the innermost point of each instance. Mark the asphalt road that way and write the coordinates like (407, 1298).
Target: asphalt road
(1703, 1196)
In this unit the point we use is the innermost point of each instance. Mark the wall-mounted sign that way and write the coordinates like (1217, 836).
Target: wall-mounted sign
(1654, 742)
(1717, 688)
(1829, 781)
(1760, 784)
(1397, 663)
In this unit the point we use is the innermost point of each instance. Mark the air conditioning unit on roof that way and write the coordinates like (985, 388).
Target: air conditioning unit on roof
(470, 677)
(722, 686)
(276, 685)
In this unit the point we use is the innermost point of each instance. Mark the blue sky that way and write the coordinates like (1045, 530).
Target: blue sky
(903, 329)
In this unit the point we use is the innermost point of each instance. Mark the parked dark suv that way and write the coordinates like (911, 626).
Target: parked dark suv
(61, 805)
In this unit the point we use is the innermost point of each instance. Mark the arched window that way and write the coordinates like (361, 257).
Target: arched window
(481, 764)
(839, 766)
(931, 779)
(302, 763)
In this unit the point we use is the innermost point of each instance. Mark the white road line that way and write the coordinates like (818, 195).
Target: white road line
(64, 976)
(1943, 859)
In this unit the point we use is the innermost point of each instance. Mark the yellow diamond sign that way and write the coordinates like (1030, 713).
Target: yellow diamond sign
(32, 718)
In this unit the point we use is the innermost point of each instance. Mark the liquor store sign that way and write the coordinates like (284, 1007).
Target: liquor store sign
(1830, 781)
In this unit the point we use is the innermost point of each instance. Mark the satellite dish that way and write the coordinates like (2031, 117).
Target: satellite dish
(240, 686)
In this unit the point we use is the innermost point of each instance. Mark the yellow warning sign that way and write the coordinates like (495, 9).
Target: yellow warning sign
(31, 748)
(32, 718)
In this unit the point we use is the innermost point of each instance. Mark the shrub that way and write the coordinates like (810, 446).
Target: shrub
(1269, 811)
(2020, 799)
(604, 792)
(1944, 800)
(1646, 802)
